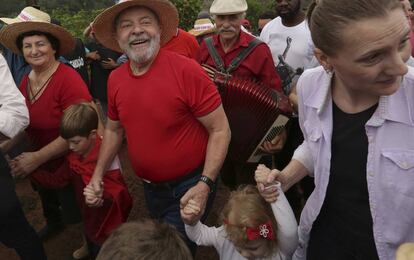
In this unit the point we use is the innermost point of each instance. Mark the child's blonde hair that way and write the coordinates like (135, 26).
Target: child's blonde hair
(246, 208)
(78, 120)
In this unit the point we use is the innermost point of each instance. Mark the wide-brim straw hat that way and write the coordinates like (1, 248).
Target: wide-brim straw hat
(9, 34)
(202, 27)
(104, 24)
(227, 7)
(28, 14)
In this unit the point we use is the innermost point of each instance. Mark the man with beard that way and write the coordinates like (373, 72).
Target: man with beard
(175, 126)
(229, 44)
(288, 35)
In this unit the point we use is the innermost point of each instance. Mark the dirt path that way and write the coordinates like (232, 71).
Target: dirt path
(62, 245)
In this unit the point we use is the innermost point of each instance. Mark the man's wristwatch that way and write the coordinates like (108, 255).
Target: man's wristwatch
(208, 181)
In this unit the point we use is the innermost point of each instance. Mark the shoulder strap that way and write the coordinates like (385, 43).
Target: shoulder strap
(235, 63)
(214, 54)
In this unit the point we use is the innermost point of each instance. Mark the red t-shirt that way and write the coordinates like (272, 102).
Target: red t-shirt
(159, 111)
(183, 43)
(65, 88)
(257, 65)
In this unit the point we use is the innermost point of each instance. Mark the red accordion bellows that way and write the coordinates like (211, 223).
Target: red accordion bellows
(255, 113)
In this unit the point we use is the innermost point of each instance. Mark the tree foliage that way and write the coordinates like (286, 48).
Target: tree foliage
(75, 22)
(188, 10)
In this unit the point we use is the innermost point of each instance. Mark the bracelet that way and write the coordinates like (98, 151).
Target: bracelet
(208, 181)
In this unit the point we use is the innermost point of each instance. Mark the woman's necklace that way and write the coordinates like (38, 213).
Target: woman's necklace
(36, 86)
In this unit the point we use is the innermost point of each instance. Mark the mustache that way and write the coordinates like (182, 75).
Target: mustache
(229, 29)
(142, 37)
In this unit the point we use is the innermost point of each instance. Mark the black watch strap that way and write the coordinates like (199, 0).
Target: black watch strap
(208, 181)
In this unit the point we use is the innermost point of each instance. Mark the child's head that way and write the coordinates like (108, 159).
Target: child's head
(147, 240)
(249, 223)
(78, 127)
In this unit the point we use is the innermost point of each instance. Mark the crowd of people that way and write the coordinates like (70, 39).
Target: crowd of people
(343, 163)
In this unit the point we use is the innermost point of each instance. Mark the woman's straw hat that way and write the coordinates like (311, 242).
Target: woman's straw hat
(35, 21)
(202, 27)
(28, 14)
(104, 24)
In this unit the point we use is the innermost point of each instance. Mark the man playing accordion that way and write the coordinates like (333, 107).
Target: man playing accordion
(234, 53)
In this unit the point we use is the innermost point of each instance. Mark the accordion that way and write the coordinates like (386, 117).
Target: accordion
(255, 113)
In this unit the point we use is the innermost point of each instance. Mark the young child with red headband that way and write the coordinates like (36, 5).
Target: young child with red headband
(255, 225)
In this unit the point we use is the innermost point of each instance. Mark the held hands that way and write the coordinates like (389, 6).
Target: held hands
(94, 192)
(91, 199)
(190, 212)
(24, 164)
(266, 182)
(198, 196)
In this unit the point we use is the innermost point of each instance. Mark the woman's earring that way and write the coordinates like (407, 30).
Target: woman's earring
(328, 70)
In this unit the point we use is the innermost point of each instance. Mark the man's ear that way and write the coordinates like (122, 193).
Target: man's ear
(323, 59)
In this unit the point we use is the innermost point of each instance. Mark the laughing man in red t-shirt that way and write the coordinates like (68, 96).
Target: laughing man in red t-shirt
(171, 112)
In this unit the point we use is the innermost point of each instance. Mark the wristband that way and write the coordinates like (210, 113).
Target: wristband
(208, 181)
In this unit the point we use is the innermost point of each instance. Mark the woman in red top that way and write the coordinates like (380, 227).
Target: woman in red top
(49, 89)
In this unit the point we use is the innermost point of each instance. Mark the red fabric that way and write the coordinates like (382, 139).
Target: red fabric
(183, 43)
(262, 231)
(98, 222)
(158, 111)
(65, 88)
(257, 65)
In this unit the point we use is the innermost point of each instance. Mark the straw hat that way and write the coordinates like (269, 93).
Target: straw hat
(35, 22)
(202, 27)
(104, 23)
(225, 7)
(28, 14)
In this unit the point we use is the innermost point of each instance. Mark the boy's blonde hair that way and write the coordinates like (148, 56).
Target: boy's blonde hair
(247, 208)
(147, 239)
(78, 120)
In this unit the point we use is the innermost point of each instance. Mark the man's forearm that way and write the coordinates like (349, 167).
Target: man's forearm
(218, 143)
(110, 146)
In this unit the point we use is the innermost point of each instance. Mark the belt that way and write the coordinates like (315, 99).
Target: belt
(168, 185)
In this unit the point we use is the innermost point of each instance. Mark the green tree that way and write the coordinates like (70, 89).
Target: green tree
(75, 22)
(188, 10)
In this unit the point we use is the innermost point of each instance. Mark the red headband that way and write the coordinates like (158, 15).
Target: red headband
(263, 230)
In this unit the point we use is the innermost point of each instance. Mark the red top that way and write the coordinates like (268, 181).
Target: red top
(257, 65)
(98, 222)
(183, 43)
(159, 111)
(65, 88)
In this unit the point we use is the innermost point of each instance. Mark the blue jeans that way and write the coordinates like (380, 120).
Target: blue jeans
(164, 204)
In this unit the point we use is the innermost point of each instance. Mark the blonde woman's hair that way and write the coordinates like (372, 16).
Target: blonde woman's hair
(328, 18)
